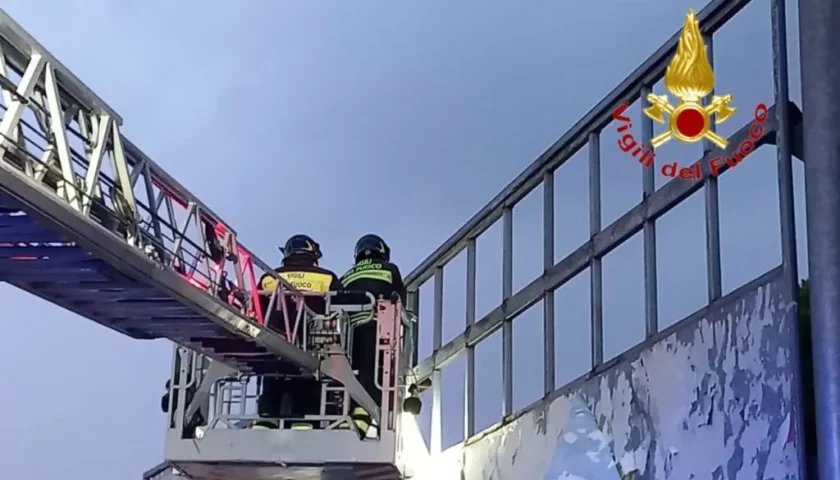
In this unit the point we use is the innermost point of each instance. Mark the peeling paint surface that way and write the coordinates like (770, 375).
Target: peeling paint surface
(711, 400)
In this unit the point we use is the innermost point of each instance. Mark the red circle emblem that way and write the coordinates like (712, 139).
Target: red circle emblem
(691, 122)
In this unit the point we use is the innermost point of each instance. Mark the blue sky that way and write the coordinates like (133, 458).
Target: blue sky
(407, 118)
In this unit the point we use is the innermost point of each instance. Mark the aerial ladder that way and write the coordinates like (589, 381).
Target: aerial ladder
(90, 223)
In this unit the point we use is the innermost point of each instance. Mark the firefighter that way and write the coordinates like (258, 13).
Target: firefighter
(301, 269)
(373, 273)
(299, 396)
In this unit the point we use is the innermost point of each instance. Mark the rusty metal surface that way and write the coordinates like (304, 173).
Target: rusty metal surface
(709, 398)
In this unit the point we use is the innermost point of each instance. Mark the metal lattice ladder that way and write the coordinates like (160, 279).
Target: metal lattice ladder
(90, 223)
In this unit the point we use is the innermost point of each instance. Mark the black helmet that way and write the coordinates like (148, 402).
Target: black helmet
(301, 245)
(372, 246)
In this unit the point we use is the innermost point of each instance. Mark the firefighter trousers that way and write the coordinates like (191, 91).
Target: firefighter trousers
(364, 359)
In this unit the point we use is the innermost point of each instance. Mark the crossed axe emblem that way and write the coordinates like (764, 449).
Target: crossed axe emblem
(719, 107)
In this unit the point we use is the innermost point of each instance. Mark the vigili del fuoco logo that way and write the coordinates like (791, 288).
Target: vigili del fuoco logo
(690, 78)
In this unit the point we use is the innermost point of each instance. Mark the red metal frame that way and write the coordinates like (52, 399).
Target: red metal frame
(244, 265)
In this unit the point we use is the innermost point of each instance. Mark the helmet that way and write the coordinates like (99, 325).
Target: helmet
(372, 246)
(301, 245)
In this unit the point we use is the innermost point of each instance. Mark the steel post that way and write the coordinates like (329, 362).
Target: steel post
(819, 39)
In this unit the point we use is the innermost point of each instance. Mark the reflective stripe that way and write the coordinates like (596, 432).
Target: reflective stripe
(308, 281)
(360, 412)
(381, 275)
(360, 318)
